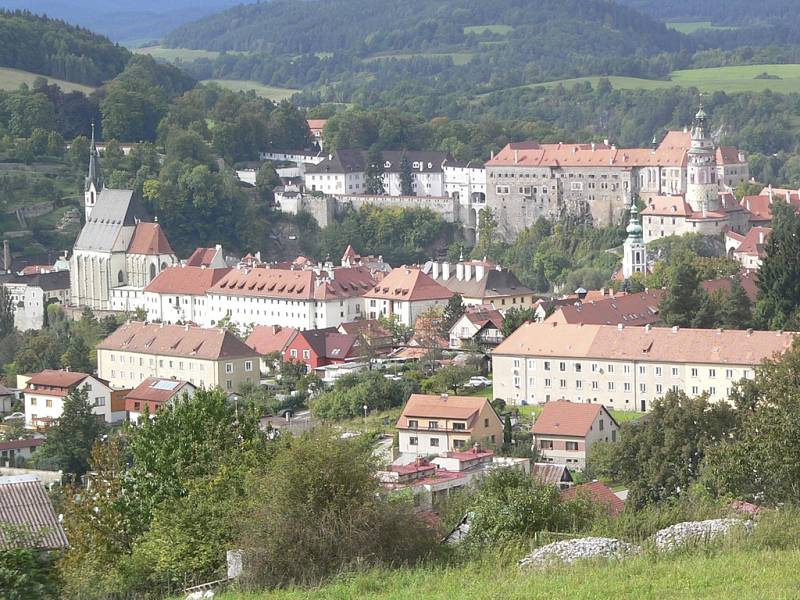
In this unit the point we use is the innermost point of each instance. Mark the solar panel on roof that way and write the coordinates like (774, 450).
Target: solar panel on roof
(165, 384)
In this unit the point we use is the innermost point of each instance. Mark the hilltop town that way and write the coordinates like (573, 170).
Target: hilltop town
(356, 346)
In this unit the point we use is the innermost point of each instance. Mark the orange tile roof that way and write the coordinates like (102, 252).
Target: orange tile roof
(433, 406)
(202, 257)
(185, 280)
(598, 492)
(657, 344)
(409, 284)
(630, 309)
(748, 279)
(567, 418)
(266, 339)
(754, 243)
(673, 206)
(176, 340)
(316, 123)
(149, 238)
(157, 389)
(57, 378)
(671, 152)
(298, 284)
(727, 155)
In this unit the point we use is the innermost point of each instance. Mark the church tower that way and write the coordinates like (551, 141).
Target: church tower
(634, 251)
(702, 187)
(93, 183)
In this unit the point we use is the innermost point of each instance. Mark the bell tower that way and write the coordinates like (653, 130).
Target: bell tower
(634, 250)
(93, 184)
(702, 187)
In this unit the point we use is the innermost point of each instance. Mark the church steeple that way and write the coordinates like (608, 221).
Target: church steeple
(702, 186)
(634, 250)
(93, 183)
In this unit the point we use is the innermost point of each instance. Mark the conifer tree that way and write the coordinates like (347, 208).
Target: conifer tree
(684, 298)
(375, 171)
(779, 275)
(406, 176)
(735, 311)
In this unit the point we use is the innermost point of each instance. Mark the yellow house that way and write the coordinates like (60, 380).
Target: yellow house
(431, 424)
(205, 357)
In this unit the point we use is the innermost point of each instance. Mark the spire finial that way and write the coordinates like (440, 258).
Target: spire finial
(461, 256)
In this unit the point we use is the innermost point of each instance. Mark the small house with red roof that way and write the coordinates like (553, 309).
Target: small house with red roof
(749, 249)
(211, 258)
(406, 292)
(153, 393)
(596, 492)
(565, 431)
(482, 324)
(269, 341)
(322, 347)
(44, 394)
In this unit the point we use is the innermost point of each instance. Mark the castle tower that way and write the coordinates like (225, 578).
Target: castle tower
(702, 187)
(93, 184)
(634, 250)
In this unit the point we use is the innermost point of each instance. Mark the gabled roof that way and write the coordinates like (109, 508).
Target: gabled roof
(551, 473)
(728, 155)
(112, 221)
(149, 239)
(669, 206)
(316, 123)
(186, 280)
(25, 505)
(433, 406)
(266, 339)
(599, 493)
(748, 279)
(55, 280)
(755, 242)
(57, 378)
(494, 282)
(298, 284)
(572, 419)
(631, 309)
(176, 340)
(157, 389)
(408, 284)
(19, 444)
(329, 343)
(480, 316)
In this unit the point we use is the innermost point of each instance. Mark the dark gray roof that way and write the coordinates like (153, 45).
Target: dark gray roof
(25, 509)
(58, 280)
(112, 221)
(495, 282)
(551, 474)
(341, 161)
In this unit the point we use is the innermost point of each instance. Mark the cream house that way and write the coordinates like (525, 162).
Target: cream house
(431, 424)
(44, 395)
(206, 358)
(626, 368)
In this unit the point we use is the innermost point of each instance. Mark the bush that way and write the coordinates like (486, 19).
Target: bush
(350, 393)
(317, 511)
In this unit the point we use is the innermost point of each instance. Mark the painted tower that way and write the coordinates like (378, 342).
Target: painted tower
(634, 250)
(702, 187)
(93, 183)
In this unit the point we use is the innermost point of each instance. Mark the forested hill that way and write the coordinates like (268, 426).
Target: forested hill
(51, 47)
(719, 12)
(522, 28)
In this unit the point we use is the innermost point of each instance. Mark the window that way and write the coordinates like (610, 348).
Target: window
(674, 371)
(658, 371)
(229, 367)
(578, 367)
(642, 369)
(248, 365)
(229, 384)
(729, 373)
(642, 387)
(578, 384)
(601, 425)
(594, 367)
(435, 442)
(572, 446)
(658, 388)
(595, 385)
(459, 426)
(99, 401)
(48, 403)
(433, 424)
(712, 391)
(610, 386)
(613, 435)
(293, 353)
(694, 372)
(486, 422)
(695, 390)
(712, 372)
(502, 189)
(546, 444)
(626, 369)
(33, 401)
(516, 364)
(610, 368)
(413, 423)
(626, 386)
(459, 444)
(562, 366)
(306, 354)
(412, 441)
(562, 383)
(547, 365)
(547, 383)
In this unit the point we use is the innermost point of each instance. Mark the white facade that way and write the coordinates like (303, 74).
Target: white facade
(405, 310)
(45, 405)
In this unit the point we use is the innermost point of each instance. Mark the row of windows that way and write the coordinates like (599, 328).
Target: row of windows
(658, 371)
(457, 426)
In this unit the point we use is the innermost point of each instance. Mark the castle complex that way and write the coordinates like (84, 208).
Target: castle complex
(596, 182)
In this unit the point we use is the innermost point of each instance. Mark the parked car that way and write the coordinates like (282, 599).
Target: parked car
(17, 416)
(479, 381)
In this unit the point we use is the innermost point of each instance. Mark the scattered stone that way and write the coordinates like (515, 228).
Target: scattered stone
(697, 532)
(569, 551)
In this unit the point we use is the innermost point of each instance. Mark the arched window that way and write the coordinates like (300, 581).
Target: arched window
(120, 277)
(163, 266)
(152, 271)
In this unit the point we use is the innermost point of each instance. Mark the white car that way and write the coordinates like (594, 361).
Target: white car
(479, 382)
(17, 416)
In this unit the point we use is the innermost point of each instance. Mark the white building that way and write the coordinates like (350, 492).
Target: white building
(154, 393)
(31, 294)
(179, 294)
(44, 395)
(406, 293)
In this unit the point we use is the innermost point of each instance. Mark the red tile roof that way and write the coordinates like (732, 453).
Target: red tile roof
(149, 238)
(19, 444)
(481, 315)
(573, 419)
(727, 155)
(754, 243)
(57, 378)
(408, 284)
(748, 279)
(176, 340)
(202, 257)
(599, 493)
(631, 309)
(316, 123)
(187, 280)
(442, 407)
(342, 282)
(673, 206)
(266, 339)
(156, 389)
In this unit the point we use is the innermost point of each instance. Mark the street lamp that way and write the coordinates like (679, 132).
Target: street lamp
(366, 408)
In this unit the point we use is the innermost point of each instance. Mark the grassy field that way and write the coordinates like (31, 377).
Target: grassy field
(744, 574)
(11, 79)
(459, 58)
(743, 78)
(498, 29)
(177, 54)
(692, 26)
(265, 91)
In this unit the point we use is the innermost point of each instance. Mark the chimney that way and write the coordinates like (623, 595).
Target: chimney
(445, 271)
(749, 332)
(620, 326)
(648, 327)
(605, 142)
(760, 237)
(480, 271)
(748, 204)
(788, 197)
(491, 155)
(516, 156)
(675, 329)
(435, 269)
(276, 329)
(444, 397)
(460, 271)
(467, 272)
(593, 145)
(476, 448)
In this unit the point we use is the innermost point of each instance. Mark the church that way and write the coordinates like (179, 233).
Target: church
(707, 207)
(119, 245)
